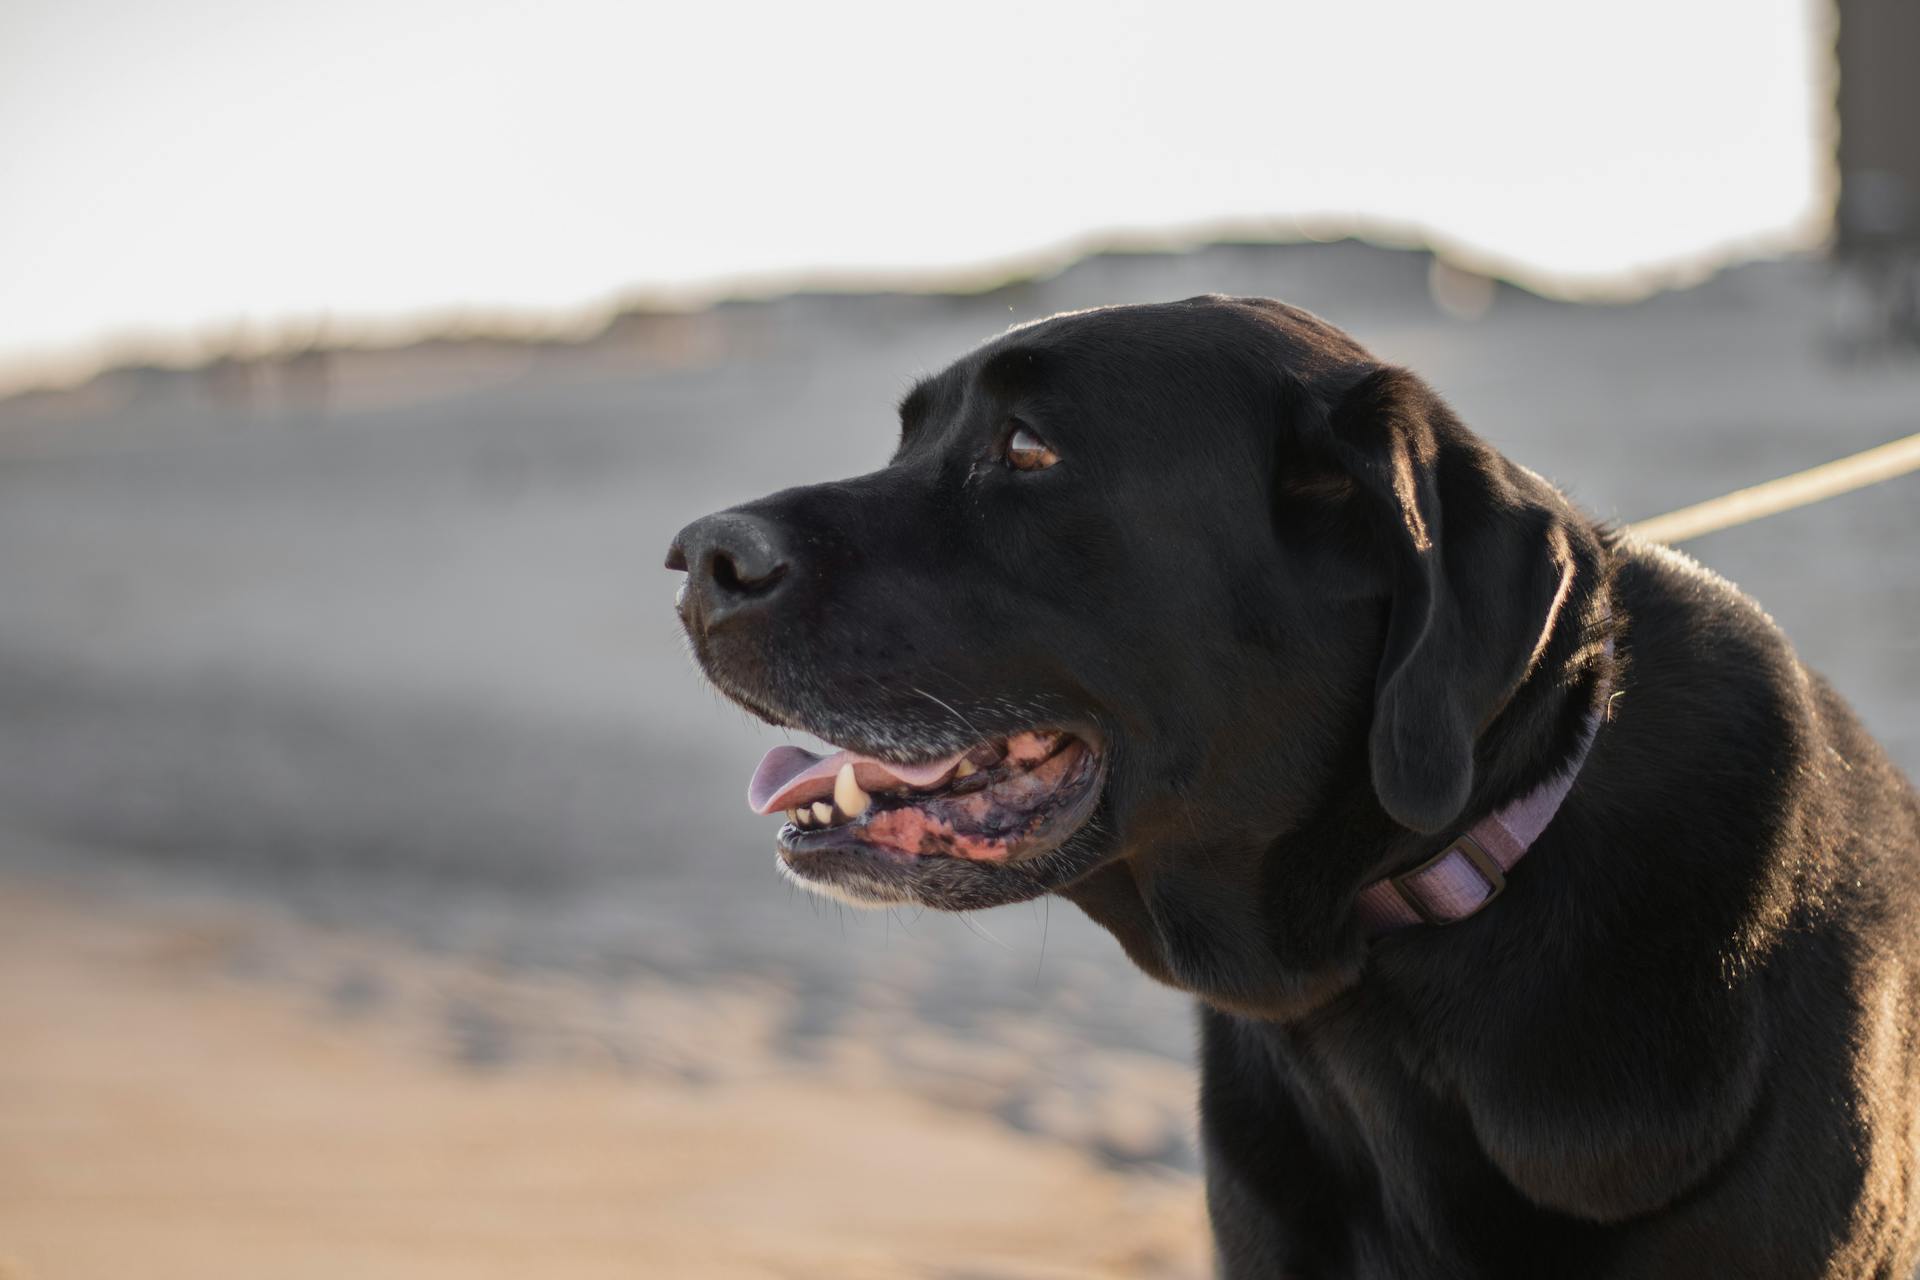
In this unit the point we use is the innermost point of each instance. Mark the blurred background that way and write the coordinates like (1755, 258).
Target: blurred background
(377, 895)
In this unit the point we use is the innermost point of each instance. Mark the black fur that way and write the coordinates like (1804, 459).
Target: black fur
(1318, 627)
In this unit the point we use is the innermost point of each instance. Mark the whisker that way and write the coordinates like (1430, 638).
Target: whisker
(951, 708)
(980, 931)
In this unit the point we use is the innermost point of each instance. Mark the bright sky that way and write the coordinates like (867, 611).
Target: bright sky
(168, 167)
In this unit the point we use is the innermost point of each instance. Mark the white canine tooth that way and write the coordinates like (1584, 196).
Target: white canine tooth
(847, 794)
(822, 811)
(966, 769)
(801, 818)
(793, 816)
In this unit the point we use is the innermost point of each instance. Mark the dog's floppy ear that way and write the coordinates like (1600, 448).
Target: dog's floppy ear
(1479, 566)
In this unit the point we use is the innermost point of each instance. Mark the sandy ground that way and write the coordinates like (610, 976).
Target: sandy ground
(165, 1113)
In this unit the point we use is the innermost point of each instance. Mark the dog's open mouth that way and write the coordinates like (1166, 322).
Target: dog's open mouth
(999, 801)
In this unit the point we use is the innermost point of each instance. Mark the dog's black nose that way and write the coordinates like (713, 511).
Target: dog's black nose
(734, 562)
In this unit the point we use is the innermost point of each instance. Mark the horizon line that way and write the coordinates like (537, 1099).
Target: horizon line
(249, 338)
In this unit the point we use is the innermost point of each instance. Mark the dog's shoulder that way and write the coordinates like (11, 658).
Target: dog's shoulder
(1737, 843)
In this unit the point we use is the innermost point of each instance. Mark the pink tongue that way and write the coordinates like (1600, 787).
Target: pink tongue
(790, 775)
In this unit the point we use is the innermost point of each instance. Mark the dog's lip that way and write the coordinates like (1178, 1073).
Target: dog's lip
(1018, 807)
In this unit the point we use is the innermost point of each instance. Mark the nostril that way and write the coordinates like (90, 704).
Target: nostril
(725, 573)
(744, 576)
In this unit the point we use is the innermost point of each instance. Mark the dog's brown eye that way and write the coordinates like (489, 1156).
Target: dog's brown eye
(1027, 452)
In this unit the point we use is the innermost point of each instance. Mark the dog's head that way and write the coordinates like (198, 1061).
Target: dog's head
(1188, 610)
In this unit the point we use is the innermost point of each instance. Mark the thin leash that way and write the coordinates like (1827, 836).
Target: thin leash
(1802, 488)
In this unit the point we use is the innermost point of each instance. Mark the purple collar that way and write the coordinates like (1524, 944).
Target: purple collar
(1469, 873)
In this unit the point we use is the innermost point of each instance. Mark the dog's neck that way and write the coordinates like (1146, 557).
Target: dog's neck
(1278, 935)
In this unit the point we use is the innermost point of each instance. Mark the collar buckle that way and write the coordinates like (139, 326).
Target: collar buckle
(1469, 852)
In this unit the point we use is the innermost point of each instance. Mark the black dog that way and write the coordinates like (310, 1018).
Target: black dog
(1200, 617)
